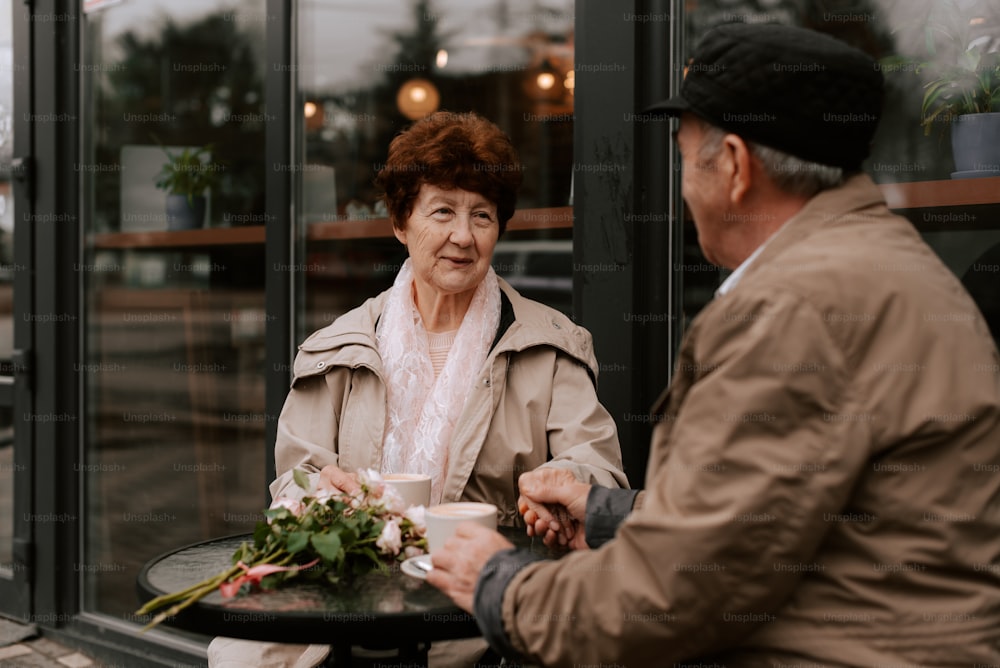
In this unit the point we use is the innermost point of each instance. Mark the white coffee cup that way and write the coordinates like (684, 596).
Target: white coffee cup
(443, 519)
(413, 488)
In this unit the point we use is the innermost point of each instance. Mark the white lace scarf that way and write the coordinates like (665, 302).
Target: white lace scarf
(421, 410)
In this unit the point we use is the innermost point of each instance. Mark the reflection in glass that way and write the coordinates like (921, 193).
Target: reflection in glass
(174, 329)
(364, 73)
(896, 33)
(8, 472)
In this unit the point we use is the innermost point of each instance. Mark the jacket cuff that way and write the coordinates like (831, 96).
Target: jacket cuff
(606, 509)
(488, 598)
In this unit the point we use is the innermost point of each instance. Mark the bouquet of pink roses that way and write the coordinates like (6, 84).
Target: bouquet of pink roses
(324, 537)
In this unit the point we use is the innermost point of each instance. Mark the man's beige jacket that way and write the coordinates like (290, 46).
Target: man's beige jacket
(824, 480)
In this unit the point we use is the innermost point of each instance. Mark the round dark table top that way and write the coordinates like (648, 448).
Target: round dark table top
(375, 610)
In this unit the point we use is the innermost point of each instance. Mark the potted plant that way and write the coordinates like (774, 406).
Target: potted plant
(963, 92)
(186, 176)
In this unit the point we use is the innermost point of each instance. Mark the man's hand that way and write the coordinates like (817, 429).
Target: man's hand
(332, 477)
(554, 505)
(457, 565)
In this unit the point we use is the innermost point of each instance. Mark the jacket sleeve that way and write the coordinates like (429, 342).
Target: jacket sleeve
(606, 509)
(582, 435)
(763, 444)
(308, 430)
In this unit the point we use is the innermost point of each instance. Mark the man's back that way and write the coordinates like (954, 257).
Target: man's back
(888, 412)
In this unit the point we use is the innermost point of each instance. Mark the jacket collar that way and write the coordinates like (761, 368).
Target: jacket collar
(506, 319)
(858, 194)
(523, 324)
(356, 327)
(539, 325)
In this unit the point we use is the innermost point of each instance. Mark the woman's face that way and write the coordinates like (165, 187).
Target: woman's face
(450, 235)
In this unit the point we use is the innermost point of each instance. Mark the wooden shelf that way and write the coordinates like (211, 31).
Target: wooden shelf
(371, 228)
(947, 206)
(213, 236)
(924, 202)
(935, 194)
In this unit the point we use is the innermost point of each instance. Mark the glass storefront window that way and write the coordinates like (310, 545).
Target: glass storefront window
(954, 209)
(173, 364)
(366, 71)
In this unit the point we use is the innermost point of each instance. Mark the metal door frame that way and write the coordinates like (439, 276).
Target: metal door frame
(15, 390)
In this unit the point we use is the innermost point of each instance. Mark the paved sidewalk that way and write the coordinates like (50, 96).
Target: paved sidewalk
(34, 651)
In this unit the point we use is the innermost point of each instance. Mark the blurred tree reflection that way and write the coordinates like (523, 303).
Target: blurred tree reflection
(350, 128)
(191, 84)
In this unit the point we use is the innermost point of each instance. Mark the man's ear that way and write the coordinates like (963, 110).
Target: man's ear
(741, 160)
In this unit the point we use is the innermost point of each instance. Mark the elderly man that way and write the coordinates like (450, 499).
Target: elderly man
(824, 476)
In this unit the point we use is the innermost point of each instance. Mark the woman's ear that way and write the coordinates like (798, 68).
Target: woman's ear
(742, 178)
(400, 233)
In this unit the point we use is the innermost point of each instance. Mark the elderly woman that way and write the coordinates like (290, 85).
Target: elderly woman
(450, 372)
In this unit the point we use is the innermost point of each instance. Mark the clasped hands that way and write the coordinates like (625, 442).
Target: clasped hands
(553, 503)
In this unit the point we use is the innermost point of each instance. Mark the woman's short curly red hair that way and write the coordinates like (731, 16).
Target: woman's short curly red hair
(451, 150)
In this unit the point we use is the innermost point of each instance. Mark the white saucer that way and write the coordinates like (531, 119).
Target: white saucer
(412, 566)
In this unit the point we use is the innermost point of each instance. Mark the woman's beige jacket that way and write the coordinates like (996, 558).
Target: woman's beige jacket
(534, 403)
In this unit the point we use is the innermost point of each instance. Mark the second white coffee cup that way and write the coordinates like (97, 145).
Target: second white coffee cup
(443, 519)
(413, 488)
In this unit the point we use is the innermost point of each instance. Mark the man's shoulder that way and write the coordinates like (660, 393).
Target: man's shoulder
(855, 259)
(859, 281)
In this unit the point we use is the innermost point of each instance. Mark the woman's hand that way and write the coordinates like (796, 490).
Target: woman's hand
(333, 478)
(554, 505)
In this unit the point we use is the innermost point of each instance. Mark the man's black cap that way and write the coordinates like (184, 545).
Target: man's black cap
(793, 89)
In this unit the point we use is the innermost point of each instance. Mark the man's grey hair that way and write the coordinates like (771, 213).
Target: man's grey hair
(792, 175)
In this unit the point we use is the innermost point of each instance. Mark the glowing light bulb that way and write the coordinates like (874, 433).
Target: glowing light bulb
(417, 98)
(545, 80)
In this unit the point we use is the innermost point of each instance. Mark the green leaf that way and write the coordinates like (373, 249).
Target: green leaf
(374, 562)
(995, 99)
(243, 553)
(301, 479)
(327, 545)
(961, 77)
(261, 532)
(274, 514)
(297, 541)
(185, 173)
(348, 533)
